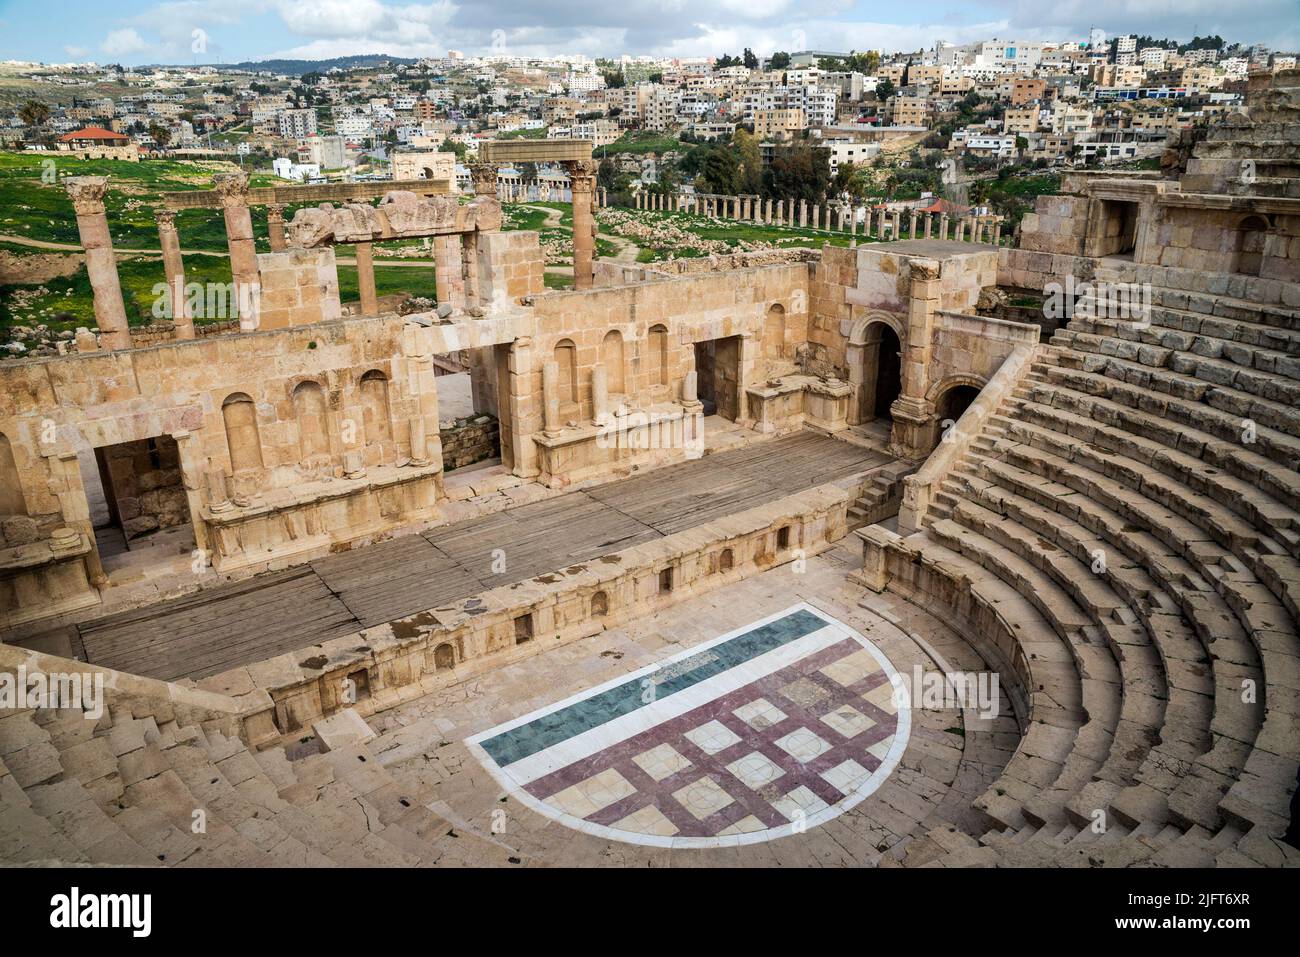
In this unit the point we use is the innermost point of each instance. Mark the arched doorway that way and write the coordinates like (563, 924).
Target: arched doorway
(952, 403)
(889, 371)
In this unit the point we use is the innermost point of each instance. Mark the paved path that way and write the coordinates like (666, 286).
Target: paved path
(221, 628)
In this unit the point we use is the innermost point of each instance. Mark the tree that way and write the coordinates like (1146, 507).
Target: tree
(884, 89)
(34, 113)
(720, 172)
(779, 61)
(798, 172)
(160, 135)
(452, 146)
(750, 61)
(750, 160)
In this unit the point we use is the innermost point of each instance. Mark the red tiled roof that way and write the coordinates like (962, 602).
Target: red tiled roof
(92, 133)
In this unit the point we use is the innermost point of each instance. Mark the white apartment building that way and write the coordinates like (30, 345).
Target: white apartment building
(297, 124)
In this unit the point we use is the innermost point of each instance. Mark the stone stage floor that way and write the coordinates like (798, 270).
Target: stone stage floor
(223, 627)
(753, 725)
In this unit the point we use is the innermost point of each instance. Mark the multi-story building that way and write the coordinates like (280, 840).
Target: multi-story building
(296, 124)
(779, 123)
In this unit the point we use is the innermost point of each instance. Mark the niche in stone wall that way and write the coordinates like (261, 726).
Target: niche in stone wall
(657, 347)
(12, 501)
(311, 412)
(374, 407)
(611, 357)
(240, 417)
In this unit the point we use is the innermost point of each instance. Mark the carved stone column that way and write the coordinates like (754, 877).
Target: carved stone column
(275, 226)
(233, 191)
(87, 194)
(174, 269)
(366, 279)
(449, 270)
(582, 176)
(913, 435)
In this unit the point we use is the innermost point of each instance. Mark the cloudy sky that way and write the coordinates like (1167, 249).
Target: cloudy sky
(209, 31)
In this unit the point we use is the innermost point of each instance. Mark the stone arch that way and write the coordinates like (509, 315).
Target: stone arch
(950, 382)
(774, 331)
(12, 501)
(444, 657)
(611, 356)
(657, 347)
(1252, 233)
(599, 605)
(875, 365)
(239, 415)
(374, 407)
(566, 358)
(311, 411)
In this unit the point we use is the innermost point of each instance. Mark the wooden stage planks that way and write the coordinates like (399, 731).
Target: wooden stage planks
(223, 627)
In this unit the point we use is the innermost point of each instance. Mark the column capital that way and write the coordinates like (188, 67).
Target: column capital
(231, 188)
(275, 212)
(87, 193)
(166, 218)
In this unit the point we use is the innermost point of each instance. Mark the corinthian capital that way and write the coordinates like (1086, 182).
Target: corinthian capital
(232, 188)
(87, 193)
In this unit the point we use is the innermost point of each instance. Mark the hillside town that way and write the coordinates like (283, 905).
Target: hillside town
(872, 123)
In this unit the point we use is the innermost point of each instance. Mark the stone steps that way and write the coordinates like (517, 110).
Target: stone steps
(1162, 370)
(1238, 625)
(1243, 497)
(1169, 415)
(1149, 638)
(1272, 374)
(1053, 775)
(1118, 652)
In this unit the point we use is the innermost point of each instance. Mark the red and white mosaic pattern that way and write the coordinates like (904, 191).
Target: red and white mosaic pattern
(815, 731)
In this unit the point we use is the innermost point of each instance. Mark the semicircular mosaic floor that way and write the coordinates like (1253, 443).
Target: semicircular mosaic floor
(762, 732)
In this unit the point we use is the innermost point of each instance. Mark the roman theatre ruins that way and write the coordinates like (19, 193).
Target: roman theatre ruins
(804, 557)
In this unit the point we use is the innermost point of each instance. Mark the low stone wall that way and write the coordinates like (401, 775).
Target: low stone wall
(470, 440)
(413, 656)
(920, 487)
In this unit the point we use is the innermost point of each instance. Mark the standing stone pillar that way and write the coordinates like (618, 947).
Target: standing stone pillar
(816, 216)
(366, 279)
(997, 233)
(449, 270)
(582, 174)
(551, 399)
(914, 432)
(275, 226)
(929, 222)
(803, 213)
(767, 212)
(174, 269)
(943, 225)
(898, 222)
(911, 231)
(599, 393)
(880, 222)
(233, 191)
(853, 227)
(87, 193)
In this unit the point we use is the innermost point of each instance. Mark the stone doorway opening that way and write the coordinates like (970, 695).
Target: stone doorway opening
(951, 405)
(882, 372)
(469, 394)
(717, 369)
(138, 505)
(1119, 225)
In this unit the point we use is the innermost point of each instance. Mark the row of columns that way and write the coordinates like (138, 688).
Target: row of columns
(519, 192)
(833, 217)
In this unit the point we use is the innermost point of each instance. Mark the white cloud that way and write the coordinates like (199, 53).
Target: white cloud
(76, 53)
(124, 43)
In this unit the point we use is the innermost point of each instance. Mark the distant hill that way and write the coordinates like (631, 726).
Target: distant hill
(299, 67)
